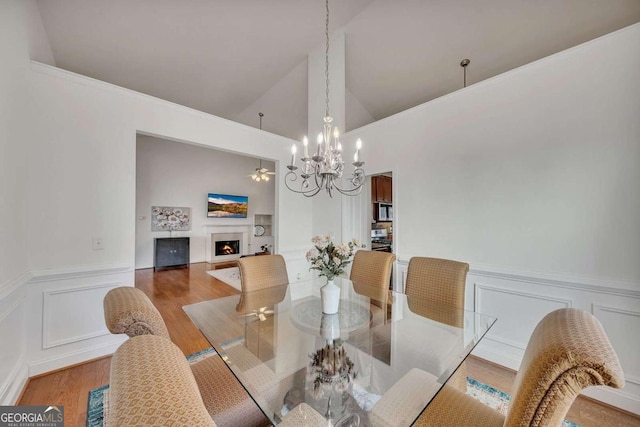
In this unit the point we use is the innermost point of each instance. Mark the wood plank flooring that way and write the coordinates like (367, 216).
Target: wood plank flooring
(171, 289)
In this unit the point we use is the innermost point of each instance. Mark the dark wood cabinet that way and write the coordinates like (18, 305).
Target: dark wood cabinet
(170, 252)
(381, 189)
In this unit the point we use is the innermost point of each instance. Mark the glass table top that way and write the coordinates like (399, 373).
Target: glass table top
(379, 361)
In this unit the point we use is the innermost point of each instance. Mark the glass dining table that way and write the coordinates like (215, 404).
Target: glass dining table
(379, 361)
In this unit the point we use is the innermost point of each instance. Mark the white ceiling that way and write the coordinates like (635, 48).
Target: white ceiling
(220, 56)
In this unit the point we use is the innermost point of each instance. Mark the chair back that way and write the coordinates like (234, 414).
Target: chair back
(439, 280)
(568, 351)
(262, 271)
(372, 269)
(256, 300)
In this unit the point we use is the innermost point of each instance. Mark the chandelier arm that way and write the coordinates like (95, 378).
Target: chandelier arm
(291, 176)
(349, 192)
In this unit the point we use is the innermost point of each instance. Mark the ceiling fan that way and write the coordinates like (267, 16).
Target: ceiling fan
(261, 174)
(260, 313)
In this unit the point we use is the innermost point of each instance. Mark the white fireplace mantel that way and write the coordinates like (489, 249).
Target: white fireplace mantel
(210, 229)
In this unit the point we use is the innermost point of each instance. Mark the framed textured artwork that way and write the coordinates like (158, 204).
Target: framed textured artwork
(164, 218)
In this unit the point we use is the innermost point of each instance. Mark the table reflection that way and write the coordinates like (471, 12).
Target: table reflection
(258, 308)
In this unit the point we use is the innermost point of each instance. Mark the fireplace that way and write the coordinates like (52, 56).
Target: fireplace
(227, 247)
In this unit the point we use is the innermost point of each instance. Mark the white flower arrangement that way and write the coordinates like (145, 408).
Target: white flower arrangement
(331, 259)
(170, 219)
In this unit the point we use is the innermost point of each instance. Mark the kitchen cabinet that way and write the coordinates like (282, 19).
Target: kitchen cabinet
(381, 189)
(170, 252)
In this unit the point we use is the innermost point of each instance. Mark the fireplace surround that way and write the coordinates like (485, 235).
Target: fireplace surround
(221, 235)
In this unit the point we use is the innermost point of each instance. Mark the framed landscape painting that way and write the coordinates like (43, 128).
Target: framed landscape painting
(226, 206)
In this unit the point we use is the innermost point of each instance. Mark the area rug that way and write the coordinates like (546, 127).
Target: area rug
(230, 276)
(496, 399)
(99, 397)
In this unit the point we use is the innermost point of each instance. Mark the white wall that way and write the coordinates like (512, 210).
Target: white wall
(356, 115)
(84, 174)
(176, 174)
(535, 169)
(15, 128)
(284, 106)
(531, 177)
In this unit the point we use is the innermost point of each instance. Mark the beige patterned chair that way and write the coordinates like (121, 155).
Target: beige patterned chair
(435, 279)
(128, 310)
(151, 384)
(372, 269)
(567, 352)
(432, 283)
(264, 271)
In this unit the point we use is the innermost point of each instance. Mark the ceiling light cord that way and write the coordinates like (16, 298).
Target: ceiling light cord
(326, 61)
(464, 63)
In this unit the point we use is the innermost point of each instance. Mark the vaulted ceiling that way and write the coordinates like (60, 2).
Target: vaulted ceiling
(220, 56)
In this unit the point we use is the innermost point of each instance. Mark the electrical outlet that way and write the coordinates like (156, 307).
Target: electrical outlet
(299, 276)
(98, 244)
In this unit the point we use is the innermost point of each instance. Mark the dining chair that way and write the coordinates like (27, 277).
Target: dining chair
(128, 310)
(264, 271)
(567, 352)
(370, 275)
(432, 283)
(372, 268)
(436, 279)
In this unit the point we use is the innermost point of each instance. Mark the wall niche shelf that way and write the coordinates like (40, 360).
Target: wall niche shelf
(262, 226)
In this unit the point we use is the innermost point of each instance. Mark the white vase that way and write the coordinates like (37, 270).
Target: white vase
(330, 326)
(330, 294)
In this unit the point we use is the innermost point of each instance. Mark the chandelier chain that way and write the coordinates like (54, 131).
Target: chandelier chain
(326, 61)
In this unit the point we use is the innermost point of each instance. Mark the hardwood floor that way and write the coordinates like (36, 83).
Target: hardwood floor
(171, 289)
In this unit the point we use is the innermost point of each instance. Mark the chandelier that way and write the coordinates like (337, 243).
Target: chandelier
(261, 174)
(324, 168)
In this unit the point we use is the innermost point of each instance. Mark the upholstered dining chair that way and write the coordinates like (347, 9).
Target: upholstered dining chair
(432, 283)
(436, 279)
(264, 271)
(371, 273)
(567, 352)
(128, 310)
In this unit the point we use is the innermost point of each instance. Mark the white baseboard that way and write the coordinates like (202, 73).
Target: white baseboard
(14, 384)
(74, 357)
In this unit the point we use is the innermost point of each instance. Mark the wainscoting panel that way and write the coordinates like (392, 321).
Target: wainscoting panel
(68, 322)
(520, 299)
(511, 307)
(61, 324)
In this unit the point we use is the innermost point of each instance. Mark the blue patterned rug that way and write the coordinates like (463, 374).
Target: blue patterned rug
(496, 399)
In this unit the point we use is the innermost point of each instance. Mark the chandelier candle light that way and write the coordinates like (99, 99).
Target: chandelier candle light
(325, 167)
